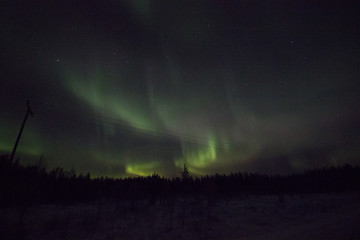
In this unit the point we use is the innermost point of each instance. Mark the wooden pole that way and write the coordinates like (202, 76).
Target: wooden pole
(28, 111)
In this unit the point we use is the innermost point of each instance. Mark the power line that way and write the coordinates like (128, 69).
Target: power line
(46, 111)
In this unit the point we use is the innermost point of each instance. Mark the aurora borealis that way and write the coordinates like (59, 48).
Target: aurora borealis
(124, 88)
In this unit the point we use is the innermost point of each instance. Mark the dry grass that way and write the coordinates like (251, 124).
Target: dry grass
(253, 217)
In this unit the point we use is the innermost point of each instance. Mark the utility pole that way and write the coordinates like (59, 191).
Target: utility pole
(28, 111)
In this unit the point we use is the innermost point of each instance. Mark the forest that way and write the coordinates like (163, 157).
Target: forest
(33, 184)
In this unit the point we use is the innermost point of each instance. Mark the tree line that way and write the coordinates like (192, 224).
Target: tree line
(33, 184)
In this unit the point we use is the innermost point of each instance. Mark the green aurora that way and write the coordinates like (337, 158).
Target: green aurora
(132, 88)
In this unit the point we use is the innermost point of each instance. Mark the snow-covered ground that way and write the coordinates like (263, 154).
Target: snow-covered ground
(321, 216)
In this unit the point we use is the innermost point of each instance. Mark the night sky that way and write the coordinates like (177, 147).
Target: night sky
(126, 88)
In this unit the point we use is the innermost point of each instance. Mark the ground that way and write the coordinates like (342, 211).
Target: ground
(308, 216)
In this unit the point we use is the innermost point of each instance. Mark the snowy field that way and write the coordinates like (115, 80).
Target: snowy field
(322, 216)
